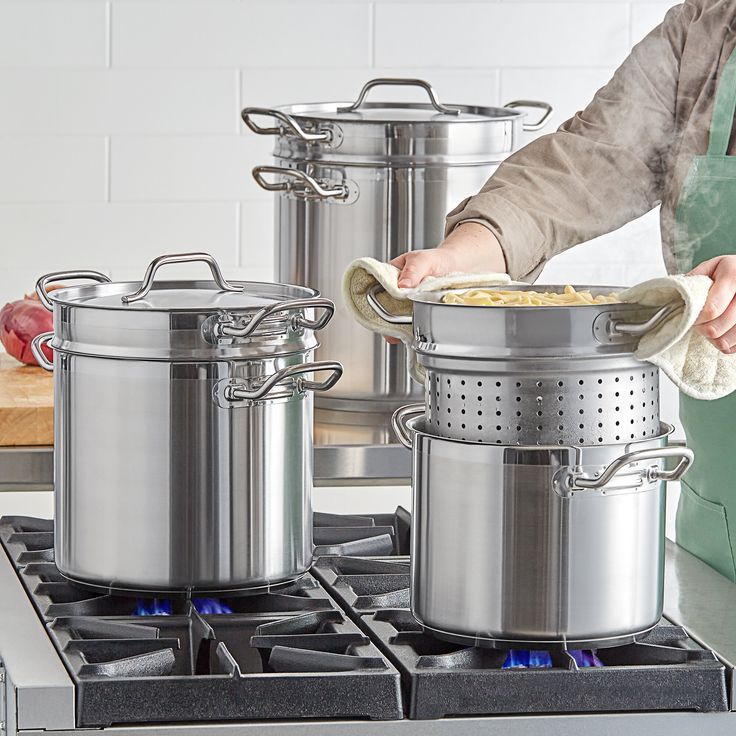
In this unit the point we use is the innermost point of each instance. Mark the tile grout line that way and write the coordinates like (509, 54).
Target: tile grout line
(108, 33)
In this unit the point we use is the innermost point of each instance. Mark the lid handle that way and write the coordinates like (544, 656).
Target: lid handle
(156, 263)
(398, 82)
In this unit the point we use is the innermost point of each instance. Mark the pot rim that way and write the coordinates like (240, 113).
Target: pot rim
(412, 425)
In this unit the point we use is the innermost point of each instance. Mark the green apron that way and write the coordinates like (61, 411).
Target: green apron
(705, 227)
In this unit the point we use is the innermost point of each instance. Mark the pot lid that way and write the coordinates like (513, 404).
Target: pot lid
(409, 132)
(182, 320)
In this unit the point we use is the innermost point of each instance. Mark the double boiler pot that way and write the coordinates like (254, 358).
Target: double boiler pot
(374, 178)
(183, 430)
(539, 471)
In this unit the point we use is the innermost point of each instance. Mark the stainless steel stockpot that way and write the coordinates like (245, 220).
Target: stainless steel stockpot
(537, 547)
(374, 179)
(535, 375)
(183, 430)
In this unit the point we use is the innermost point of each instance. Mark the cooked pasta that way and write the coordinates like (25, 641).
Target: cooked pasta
(497, 298)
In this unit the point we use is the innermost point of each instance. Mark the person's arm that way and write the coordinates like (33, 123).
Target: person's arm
(601, 169)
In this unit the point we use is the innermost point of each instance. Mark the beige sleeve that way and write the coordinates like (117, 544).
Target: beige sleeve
(601, 169)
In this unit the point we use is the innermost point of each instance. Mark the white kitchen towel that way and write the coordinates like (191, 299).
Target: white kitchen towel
(693, 363)
(364, 273)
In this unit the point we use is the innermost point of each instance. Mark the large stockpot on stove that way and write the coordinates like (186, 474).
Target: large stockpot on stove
(537, 546)
(540, 440)
(374, 179)
(183, 430)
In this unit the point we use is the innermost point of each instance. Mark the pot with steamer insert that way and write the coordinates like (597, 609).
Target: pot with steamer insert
(539, 466)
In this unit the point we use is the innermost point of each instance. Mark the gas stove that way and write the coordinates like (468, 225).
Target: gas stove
(336, 652)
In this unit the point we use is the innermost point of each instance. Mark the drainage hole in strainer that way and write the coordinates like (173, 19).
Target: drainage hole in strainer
(617, 379)
(617, 438)
(600, 411)
(480, 412)
(462, 411)
(617, 423)
(498, 428)
(518, 413)
(462, 396)
(582, 426)
(581, 411)
(462, 382)
(539, 384)
(600, 396)
(518, 384)
(560, 384)
(539, 427)
(498, 413)
(617, 394)
(518, 398)
(539, 413)
(560, 412)
(480, 383)
(581, 382)
(600, 380)
(518, 428)
(480, 398)
(560, 426)
(600, 439)
(498, 384)
(463, 426)
(480, 427)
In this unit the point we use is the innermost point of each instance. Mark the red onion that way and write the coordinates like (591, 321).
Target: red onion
(20, 322)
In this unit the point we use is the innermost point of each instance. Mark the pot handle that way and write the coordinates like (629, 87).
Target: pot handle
(685, 454)
(399, 419)
(532, 127)
(50, 278)
(289, 123)
(380, 310)
(227, 328)
(639, 329)
(156, 263)
(234, 392)
(297, 181)
(395, 82)
(38, 354)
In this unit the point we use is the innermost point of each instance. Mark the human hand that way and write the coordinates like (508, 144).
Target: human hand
(469, 248)
(717, 320)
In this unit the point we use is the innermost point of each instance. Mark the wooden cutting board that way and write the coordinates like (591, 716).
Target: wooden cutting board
(26, 404)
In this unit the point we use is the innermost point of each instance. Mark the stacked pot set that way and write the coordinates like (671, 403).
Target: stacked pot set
(184, 409)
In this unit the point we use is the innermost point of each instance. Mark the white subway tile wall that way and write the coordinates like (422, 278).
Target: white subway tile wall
(120, 134)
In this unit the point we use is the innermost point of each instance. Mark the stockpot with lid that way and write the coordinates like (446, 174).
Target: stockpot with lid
(183, 430)
(373, 178)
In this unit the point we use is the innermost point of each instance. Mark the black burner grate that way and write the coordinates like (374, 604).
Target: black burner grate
(288, 654)
(339, 643)
(666, 670)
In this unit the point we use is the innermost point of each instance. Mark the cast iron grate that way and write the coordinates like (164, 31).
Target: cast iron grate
(291, 654)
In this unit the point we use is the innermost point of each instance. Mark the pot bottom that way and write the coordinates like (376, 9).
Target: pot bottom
(559, 644)
(217, 592)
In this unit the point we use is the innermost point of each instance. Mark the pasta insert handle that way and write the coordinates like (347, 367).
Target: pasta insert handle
(380, 310)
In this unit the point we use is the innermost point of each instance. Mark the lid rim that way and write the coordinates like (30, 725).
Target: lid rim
(122, 287)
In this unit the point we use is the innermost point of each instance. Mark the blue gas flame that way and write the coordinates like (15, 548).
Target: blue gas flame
(210, 605)
(154, 607)
(586, 658)
(523, 659)
(162, 607)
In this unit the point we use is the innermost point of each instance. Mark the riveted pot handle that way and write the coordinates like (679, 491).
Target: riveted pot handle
(400, 82)
(51, 278)
(298, 182)
(156, 263)
(639, 329)
(685, 454)
(545, 106)
(227, 328)
(233, 392)
(395, 319)
(38, 354)
(399, 419)
(288, 122)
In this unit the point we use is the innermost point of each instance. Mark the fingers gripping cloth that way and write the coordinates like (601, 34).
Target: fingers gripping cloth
(686, 356)
(364, 273)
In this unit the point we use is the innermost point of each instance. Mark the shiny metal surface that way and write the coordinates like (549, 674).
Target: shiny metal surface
(543, 568)
(527, 401)
(156, 263)
(398, 209)
(373, 179)
(159, 488)
(26, 468)
(183, 431)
